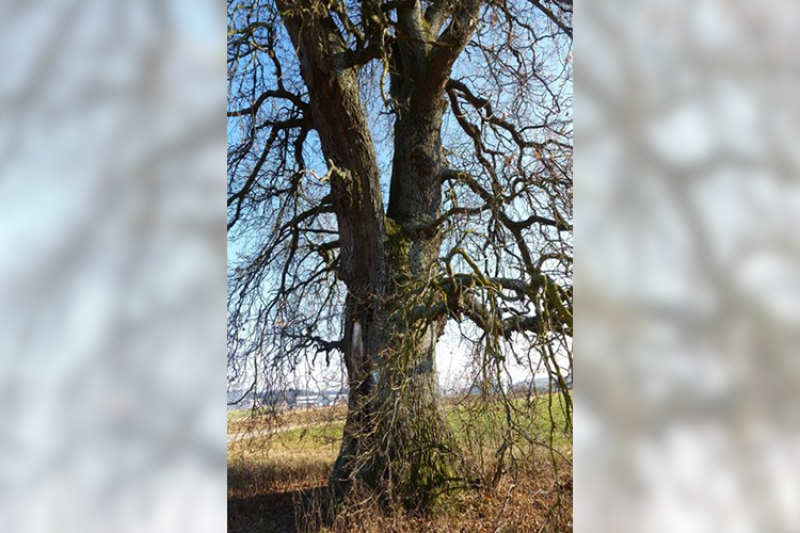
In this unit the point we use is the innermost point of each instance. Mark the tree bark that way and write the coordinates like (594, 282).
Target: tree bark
(396, 442)
(355, 189)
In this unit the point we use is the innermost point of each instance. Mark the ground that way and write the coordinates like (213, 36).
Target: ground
(278, 467)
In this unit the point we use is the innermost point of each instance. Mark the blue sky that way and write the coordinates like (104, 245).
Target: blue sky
(452, 358)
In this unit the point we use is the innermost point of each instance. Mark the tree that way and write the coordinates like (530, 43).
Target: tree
(392, 166)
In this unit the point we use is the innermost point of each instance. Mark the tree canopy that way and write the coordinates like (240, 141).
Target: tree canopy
(394, 166)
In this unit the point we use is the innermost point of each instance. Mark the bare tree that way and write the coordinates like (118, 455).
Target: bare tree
(392, 166)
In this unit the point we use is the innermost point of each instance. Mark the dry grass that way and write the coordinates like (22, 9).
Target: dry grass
(276, 484)
(248, 420)
(268, 476)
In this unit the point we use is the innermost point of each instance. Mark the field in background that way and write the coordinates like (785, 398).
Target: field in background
(278, 465)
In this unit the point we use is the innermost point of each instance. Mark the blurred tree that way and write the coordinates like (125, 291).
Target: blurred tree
(455, 115)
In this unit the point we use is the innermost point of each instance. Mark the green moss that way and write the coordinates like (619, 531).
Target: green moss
(397, 246)
(393, 229)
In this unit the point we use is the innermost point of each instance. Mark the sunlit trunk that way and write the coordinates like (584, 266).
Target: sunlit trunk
(397, 442)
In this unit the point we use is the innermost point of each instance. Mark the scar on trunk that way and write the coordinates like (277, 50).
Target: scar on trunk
(358, 341)
(357, 350)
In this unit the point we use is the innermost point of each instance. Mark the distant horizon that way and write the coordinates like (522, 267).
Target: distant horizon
(247, 395)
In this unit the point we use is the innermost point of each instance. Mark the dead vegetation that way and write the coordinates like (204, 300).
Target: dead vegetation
(277, 483)
(262, 419)
(286, 496)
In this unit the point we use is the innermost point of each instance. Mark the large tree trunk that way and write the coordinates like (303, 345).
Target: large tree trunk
(397, 442)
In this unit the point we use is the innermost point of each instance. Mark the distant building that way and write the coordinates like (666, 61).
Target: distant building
(305, 399)
(286, 399)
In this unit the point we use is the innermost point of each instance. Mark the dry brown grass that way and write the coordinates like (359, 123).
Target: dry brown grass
(276, 485)
(268, 478)
(283, 497)
(244, 421)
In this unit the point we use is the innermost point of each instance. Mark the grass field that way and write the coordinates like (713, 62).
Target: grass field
(277, 468)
